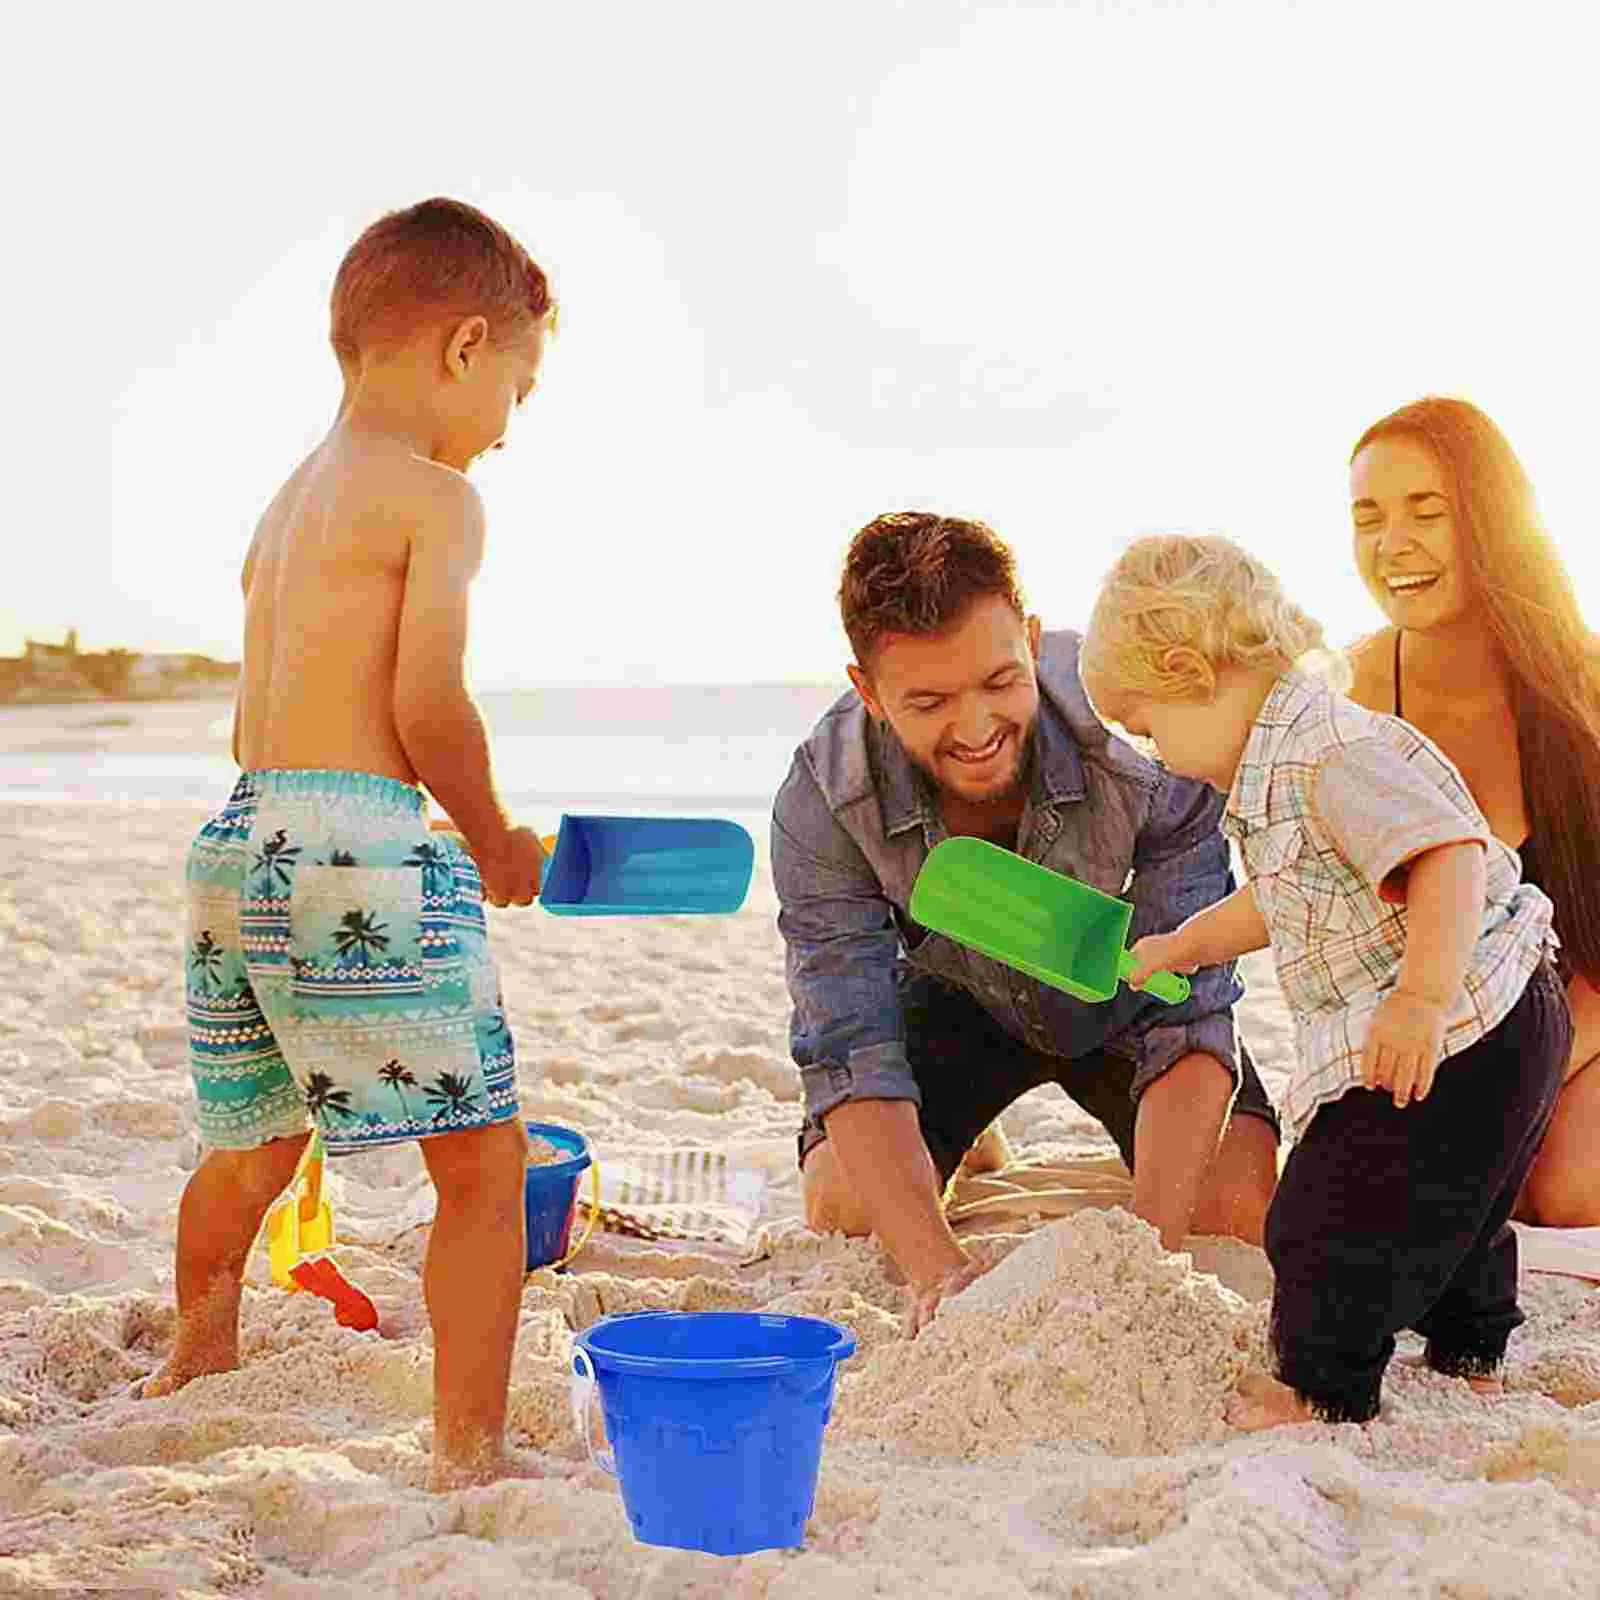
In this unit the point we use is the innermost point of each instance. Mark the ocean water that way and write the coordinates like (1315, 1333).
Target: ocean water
(623, 750)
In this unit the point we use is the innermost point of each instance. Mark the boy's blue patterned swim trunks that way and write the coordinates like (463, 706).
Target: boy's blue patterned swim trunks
(338, 969)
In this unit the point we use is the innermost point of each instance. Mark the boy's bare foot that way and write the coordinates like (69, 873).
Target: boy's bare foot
(990, 1152)
(173, 1377)
(489, 1466)
(207, 1342)
(1263, 1402)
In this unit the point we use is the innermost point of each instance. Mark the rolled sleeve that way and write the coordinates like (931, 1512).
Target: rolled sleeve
(1181, 867)
(1381, 811)
(842, 946)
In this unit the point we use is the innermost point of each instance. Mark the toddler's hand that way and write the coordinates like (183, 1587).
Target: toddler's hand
(1158, 952)
(1403, 1046)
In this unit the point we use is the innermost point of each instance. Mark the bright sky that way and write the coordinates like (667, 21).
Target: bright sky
(1080, 271)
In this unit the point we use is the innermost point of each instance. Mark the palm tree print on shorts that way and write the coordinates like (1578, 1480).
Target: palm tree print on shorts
(275, 862)
(395, 1072)
(450, 1092)
(359, 937)
(438, 874)
(206, 959)
(322, 1096)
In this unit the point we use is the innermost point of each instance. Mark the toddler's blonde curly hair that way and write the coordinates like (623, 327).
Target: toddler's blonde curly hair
(1177, 609)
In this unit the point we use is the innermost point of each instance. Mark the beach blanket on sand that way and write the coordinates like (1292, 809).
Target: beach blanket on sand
(1023, 1190)
(679, 1193)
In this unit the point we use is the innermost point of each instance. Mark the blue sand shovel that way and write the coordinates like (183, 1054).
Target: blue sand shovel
(645, 866)
(1055, 929)
(639, 866)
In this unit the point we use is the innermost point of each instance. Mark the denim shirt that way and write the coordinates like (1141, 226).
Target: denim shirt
(854, 821)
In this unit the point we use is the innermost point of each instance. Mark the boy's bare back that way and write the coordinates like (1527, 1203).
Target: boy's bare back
(358, 568)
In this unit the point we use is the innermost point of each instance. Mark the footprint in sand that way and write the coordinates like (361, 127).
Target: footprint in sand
(778, 1078)
(163, 1044)
(140, 1119)
(658, 1028)
(52, 1120)
(48, 1253)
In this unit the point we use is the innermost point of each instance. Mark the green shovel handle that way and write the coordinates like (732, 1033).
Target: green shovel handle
(1172, 987)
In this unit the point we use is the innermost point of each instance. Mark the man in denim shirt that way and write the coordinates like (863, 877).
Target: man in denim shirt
(967, 720)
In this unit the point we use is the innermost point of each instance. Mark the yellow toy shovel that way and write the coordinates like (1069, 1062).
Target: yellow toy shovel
(299, 1230)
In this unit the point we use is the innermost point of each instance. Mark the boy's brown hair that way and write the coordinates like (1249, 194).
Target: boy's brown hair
(436, 259)
(915, 572)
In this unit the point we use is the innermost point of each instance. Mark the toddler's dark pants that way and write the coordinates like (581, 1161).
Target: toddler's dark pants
(1390, 1218)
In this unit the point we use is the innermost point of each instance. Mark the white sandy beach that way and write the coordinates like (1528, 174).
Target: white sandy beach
(1056, 1433)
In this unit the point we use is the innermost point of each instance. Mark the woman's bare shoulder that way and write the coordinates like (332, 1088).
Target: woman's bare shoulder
(1371, 660)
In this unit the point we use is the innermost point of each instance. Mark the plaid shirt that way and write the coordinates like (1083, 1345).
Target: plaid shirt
(1328, 805)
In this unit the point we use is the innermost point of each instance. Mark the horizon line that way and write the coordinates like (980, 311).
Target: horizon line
(663, 683)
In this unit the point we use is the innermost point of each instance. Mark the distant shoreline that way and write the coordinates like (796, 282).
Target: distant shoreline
(609, 708)
(599, 687)
(55, 697)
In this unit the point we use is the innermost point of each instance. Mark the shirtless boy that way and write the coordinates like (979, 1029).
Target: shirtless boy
(337, 965)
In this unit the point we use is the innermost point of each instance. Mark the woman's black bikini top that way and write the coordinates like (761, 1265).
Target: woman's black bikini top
(1527, 850)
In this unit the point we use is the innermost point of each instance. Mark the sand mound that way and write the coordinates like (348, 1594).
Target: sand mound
(1088, 1331)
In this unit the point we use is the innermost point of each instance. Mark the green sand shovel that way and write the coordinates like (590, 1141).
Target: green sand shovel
(1054, 928)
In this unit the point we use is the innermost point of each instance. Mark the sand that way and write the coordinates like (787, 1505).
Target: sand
(1056, 1432)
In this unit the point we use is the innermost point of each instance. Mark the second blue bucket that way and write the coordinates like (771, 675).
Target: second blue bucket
(550, 1195)
(715, 1420)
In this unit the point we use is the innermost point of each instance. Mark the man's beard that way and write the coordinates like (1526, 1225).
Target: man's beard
(1020, 783)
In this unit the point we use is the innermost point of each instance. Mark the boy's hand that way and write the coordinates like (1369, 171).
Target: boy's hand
(511, 871)
(1158, 952)
(1403, 1046)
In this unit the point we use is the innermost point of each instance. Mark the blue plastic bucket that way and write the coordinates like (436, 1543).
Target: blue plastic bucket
(715, 1420)
(550, 1195)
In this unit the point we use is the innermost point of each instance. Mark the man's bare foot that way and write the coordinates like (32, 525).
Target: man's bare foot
(1263, 1402)
(990, 1152)
(445, 1475)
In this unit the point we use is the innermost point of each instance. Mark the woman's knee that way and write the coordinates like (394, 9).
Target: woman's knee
(1561, 1195)
(1562, 1189)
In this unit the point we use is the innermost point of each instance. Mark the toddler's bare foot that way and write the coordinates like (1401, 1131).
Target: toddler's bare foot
(1263, 1402)
(1490, 1383)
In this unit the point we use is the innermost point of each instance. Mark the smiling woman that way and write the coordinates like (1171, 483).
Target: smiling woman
(1487, 654)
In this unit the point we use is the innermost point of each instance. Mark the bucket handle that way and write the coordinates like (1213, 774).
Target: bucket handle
(582, 1391)
(594, 1215)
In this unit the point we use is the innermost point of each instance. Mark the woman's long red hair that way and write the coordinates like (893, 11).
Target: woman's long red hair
(1549, 655)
